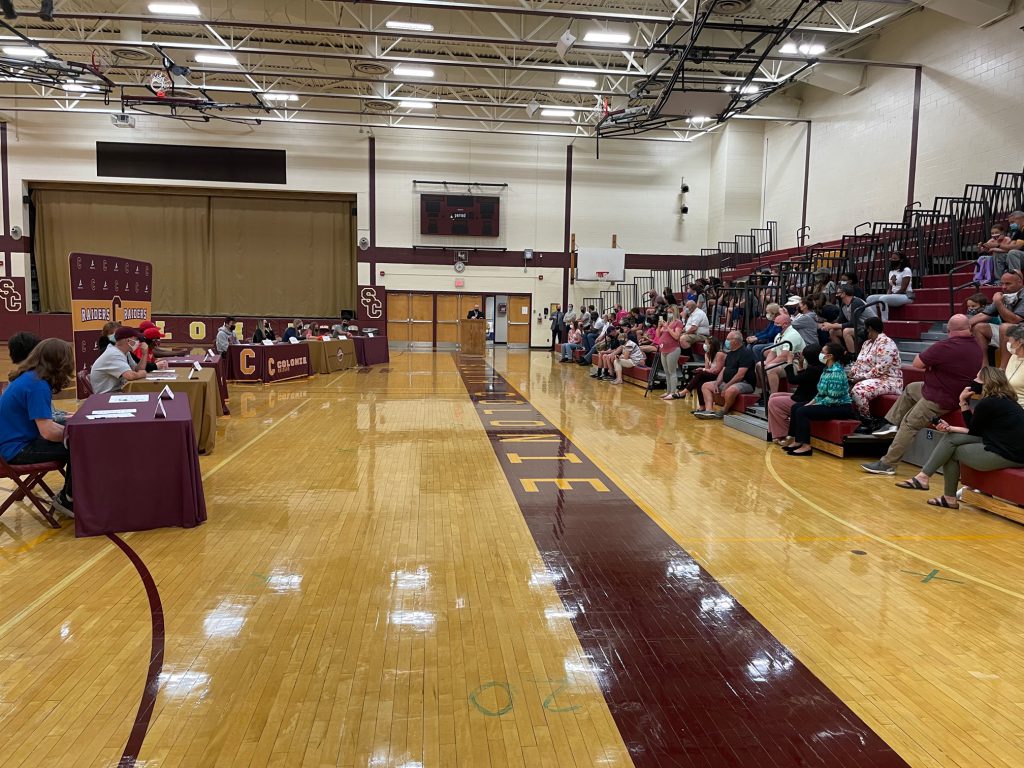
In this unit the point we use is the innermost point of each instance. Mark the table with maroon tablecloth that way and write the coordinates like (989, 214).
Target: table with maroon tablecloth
(107, 493)
(371, 350)
(216, 362)
(268, 363)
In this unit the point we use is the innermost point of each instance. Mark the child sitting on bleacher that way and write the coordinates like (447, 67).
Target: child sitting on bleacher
(984, 272)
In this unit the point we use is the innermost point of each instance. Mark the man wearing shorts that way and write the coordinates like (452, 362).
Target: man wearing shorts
(737, 378)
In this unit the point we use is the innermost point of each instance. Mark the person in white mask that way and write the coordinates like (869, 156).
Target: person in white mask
(1007, 305)
(116, 366)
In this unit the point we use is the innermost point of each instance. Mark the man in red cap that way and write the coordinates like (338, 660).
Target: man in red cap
(116, 366)
(152, 337)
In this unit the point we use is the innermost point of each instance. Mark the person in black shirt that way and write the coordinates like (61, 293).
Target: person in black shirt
(803, 387)
(851, 281)
(475, 313)
(737, 378)
(992, 439)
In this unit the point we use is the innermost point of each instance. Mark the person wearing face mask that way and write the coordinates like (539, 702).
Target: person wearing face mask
(877, 371)
(1005, 311)
(991, 440)
(831, 401)
(900, 291)
(852, 282)
(107, 335)
(803, 319)
(1015, 362)
(777, 359)
(115, 365)
(1010, 255)
(765, 337)
(736, 378)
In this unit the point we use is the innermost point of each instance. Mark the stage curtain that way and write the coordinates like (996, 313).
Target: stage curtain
(171, 232)
(282, 257)
(213, 252)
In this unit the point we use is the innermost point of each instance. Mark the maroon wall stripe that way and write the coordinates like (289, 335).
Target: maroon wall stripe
(372, 160)
(915, 129)
(807, 180)
(691, 678)
(156, 658)
(566, 239)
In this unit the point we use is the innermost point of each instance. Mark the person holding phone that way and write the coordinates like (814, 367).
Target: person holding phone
(991, 440)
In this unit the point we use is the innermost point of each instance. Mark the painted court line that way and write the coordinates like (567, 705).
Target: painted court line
(689, 675)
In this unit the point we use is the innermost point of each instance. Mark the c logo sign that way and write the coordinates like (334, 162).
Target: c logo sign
(197, 331)
(245, 362)
(374, 306)
(271, 368)
(11, 296)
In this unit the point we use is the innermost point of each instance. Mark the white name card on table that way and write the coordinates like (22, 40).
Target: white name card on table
(268, 342)
(166, 394)
(94, 416)
(326, 337)
(129, 398)
(342, 337)
(164, 375)
(196, 365)
(209, 352)
(191, 373)
(160, 413)
(113, 411)
(293, 340)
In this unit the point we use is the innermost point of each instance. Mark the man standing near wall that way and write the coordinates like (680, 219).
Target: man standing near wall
(556, 326)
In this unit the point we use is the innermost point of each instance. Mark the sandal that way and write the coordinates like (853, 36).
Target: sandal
(913, 484)
(941, 502)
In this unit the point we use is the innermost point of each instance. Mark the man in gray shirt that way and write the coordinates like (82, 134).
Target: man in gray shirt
(804, 321)
(115, 366)
(226, 335)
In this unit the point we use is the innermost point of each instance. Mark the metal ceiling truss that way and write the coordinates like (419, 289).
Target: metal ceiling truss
(491, 60)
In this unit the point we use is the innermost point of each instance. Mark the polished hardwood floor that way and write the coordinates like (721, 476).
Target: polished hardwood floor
(369, 591)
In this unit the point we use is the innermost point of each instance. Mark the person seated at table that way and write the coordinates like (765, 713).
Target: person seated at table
(155, 350)
(20, 345)
(990, 441)
(107, 335)
(116, 366)
(263, 332)
(226, 335)
(152, 337)
(293, 331)
(28, 433)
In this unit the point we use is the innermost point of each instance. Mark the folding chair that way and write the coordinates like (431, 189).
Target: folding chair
(83, 379)
(27, 477)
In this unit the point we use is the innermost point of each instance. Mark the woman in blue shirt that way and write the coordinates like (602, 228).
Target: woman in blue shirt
(28, 433)
(831, 402)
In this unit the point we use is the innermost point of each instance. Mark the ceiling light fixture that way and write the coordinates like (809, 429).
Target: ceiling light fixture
(604, 36)
(578, 82)
(407, 71)
(174, 9)
(411, 26)
(811, 49)
(557, 112)
(24, 52)
(216, 58)
(416, 104)
(271, 96)
(76, 87)
(789, 48)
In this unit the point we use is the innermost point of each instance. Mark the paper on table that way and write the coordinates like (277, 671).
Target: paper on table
(93, 416)
(129, 398)
(268, 343)
(114, 410)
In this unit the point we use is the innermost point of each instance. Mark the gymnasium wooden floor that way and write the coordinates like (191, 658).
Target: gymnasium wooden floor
(393, 575)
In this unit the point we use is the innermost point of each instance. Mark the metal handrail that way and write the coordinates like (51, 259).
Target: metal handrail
(952, 289)
(765, 369)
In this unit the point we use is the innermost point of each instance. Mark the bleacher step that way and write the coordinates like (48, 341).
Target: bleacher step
(750, 425)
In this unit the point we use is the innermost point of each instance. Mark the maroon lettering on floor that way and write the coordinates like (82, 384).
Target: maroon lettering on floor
(691, 678)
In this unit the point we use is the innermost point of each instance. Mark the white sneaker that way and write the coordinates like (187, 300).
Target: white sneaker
(886, 431)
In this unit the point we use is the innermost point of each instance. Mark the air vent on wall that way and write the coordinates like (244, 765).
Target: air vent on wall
(378, 105)
(731, 7)
(131, 54)
(370, 68)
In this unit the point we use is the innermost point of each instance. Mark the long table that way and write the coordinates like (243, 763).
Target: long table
(371, 350)
(200, 392)
(216, 362)
(268, 363)
(331, 355)
(110, 498)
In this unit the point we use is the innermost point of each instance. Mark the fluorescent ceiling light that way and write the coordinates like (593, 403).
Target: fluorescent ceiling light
(174, 9)
(580, 82)
(412, 26)
(744, 89)
(416, 104)
(25, 52)
(270, 96)
(604, 36)
(811, 49)
(76, 87)
(557, 112)
(699, 120)
(789, 48)
(216, 58)
(407, 71)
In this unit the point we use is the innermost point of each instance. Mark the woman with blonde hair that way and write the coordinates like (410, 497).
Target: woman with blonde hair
(991, 440)
(669, 331)
(28, 433)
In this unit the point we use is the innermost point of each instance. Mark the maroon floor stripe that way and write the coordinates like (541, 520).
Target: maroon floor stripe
(691, 678)
(156, 658)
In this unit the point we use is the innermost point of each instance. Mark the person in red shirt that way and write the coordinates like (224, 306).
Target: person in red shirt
(152, 335)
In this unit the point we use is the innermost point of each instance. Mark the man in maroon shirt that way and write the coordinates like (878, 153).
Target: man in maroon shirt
(949, 366)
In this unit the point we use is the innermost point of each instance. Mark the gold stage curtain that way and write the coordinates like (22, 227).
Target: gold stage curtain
(213, 253)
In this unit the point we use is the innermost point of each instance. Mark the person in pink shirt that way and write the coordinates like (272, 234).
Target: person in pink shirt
(575, 342)
(620, 313)
(669, 331)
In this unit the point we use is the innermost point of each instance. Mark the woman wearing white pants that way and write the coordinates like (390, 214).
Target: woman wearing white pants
(901, 290)
(668, 344)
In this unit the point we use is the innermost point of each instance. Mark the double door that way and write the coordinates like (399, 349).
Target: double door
(419, 319)
(411, 318)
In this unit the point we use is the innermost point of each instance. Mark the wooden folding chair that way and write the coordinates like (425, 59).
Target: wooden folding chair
(28, 477)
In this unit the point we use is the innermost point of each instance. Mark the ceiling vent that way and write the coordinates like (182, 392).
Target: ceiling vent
(378, 105)
(124, 53)
(371, 68)
(731, 7)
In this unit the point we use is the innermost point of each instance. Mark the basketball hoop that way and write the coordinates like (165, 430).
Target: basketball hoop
(601, 275)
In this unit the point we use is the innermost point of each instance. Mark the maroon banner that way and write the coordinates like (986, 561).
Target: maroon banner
(373, 307)
(267, 362)
(105, 289)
